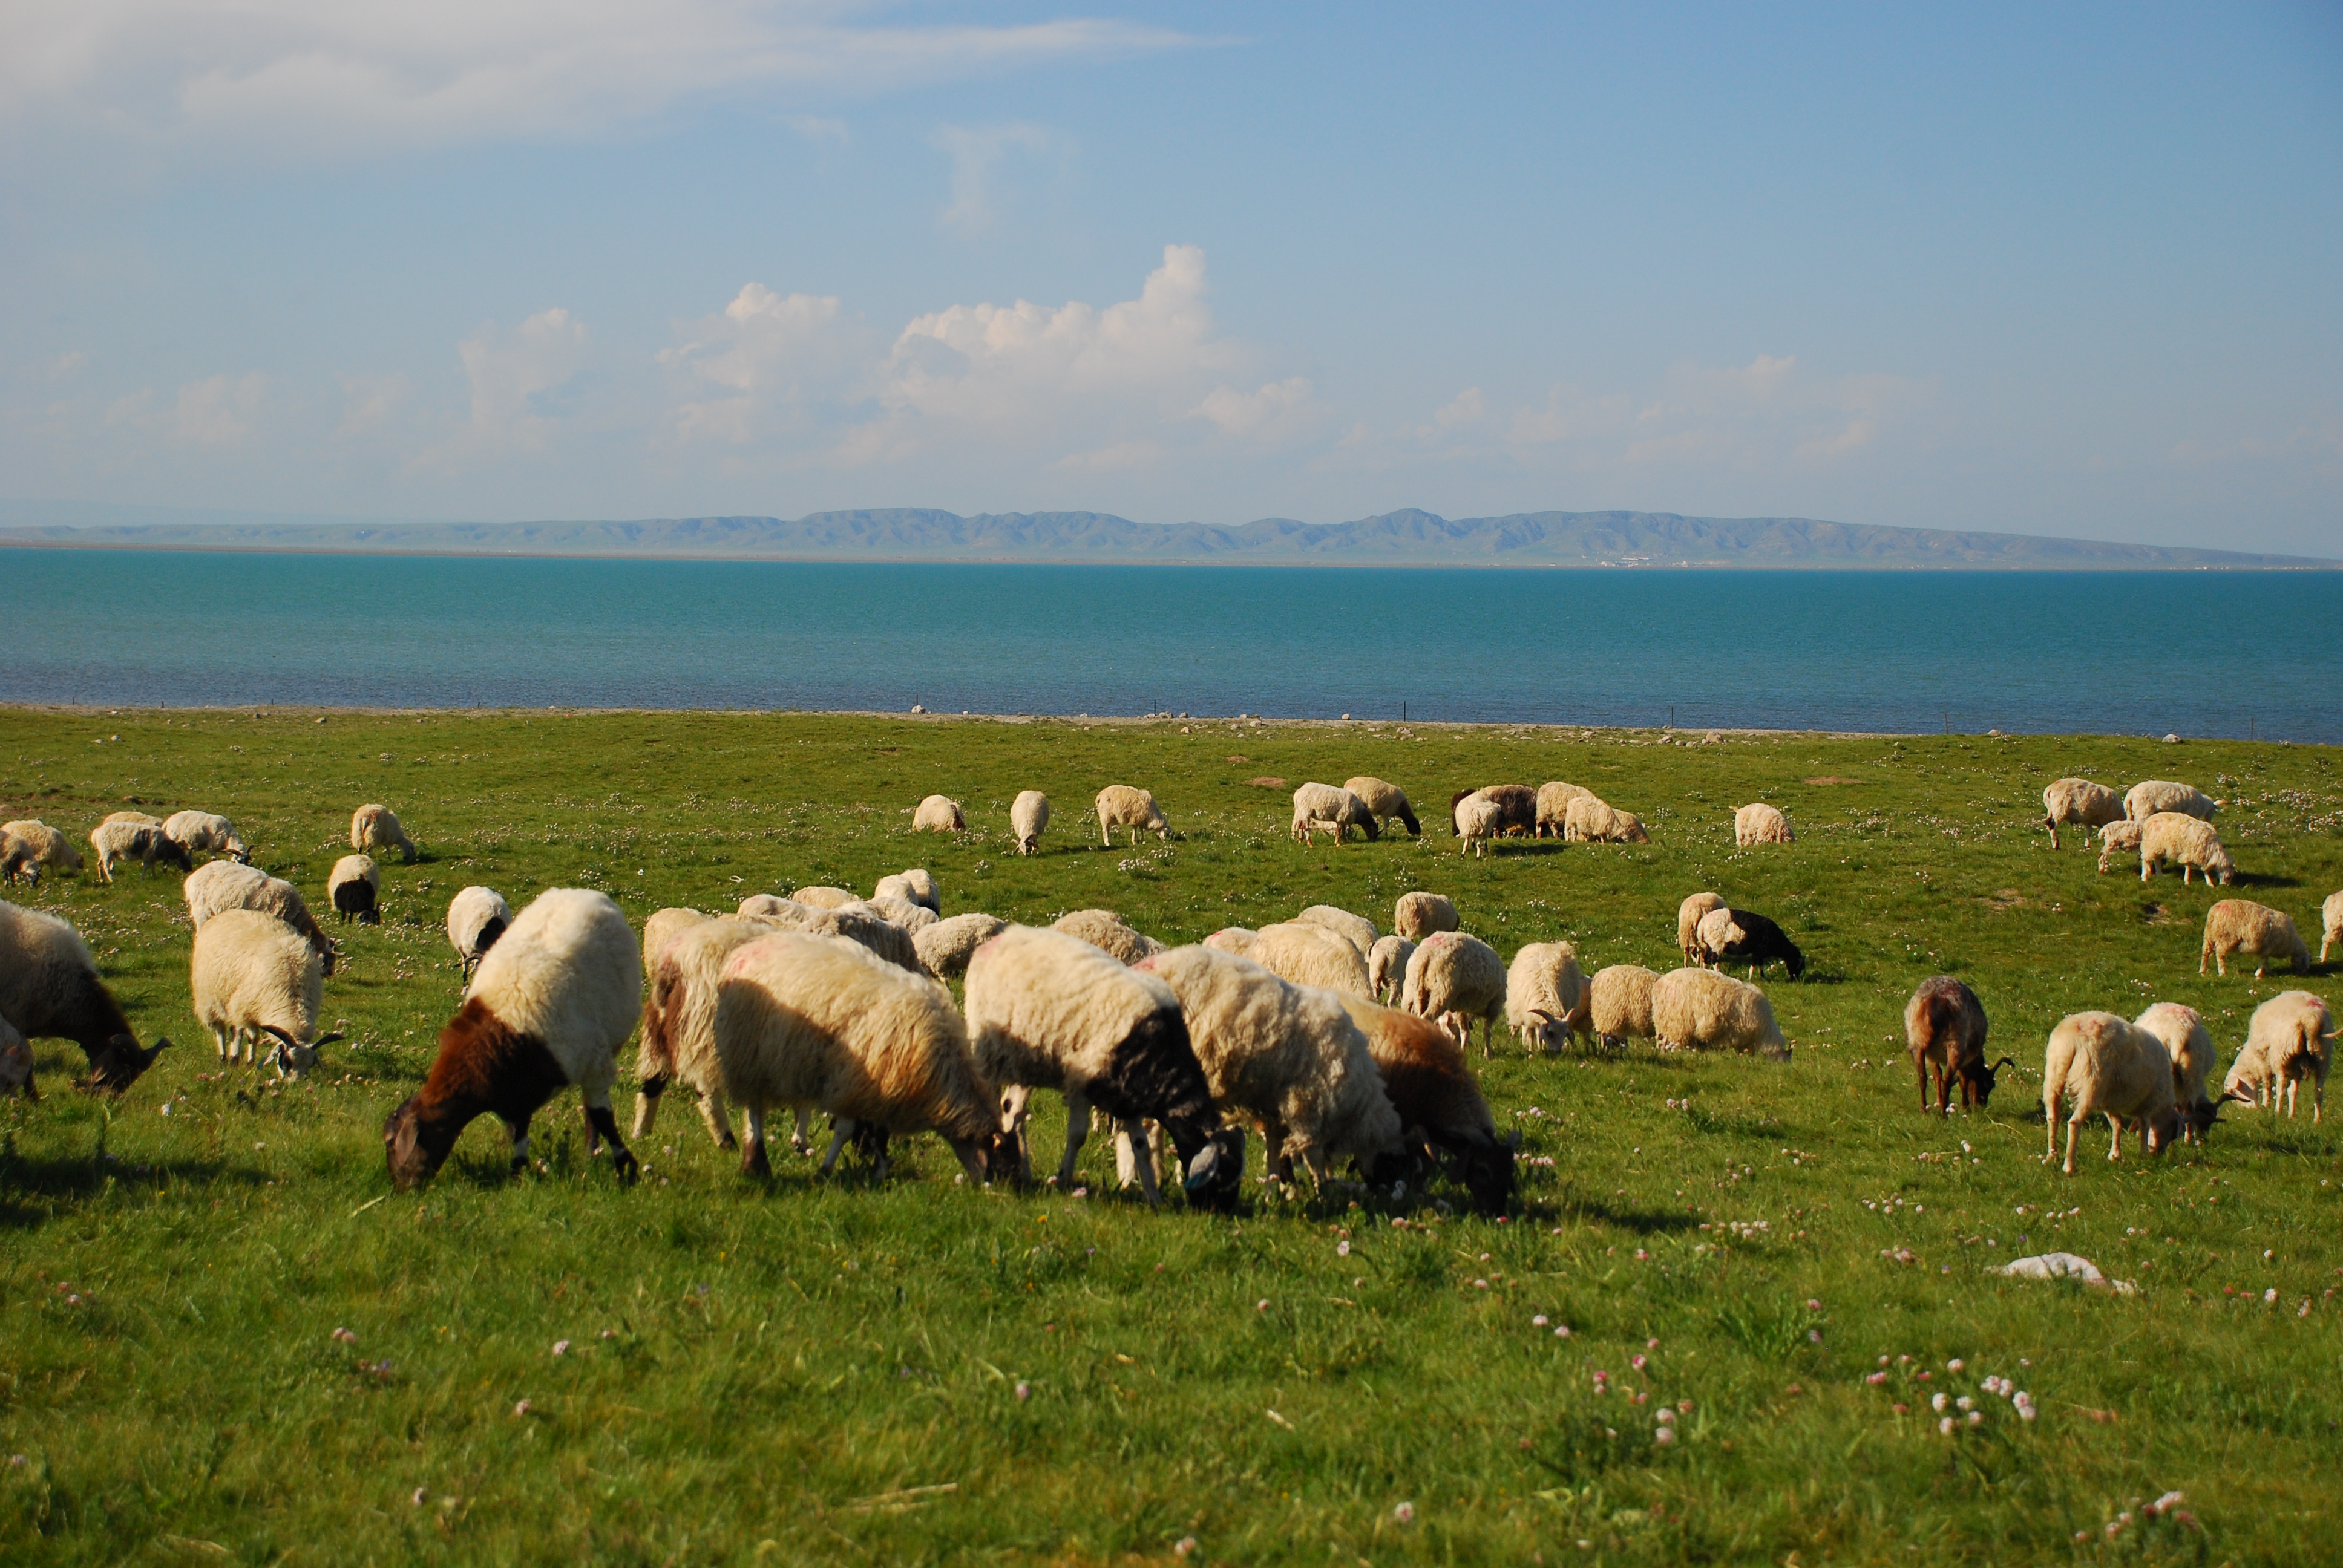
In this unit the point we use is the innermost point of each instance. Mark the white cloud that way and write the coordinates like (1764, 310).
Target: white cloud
(766, 365)
(1276, 415)
(976, 152)
(515, 377)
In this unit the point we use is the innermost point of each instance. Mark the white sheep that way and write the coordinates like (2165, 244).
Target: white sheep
(220, 885)
(912, 918)
(663, 926)
(1357, 929)
(1317, 806)
(854, 919)
(2330, 924)
(1545, 995)
(477, 917)
(1121, 806)
(2118, 841)
(826, 898)
(2146, 799)
(1104, 929)
(251, 974)
(1758, 823)
(1591, 821)
(1701, 1010)
(51, 848)
(375, 826)
(679, 1039)
(2234, 926)
(1388, 801)
(1387, 967)
(1237, 940)
(939, 814)
(945, 948)
(2107, 1068)
(1417, 915)
(214, 835)
(1305, 953)
(2189, 1044)
(1689, 914)
(917, 885)
(2291, 1037)
(1553, 800)
(2080, 803)
(117, 840)
(1619, 1003)
(1479, 823)
(2186, 841)
(354, 886)
(1454, 980)
(50, 990)
(1029, 818)
(773, 907)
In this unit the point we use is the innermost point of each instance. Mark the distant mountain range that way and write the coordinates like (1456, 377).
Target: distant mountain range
(1407, 538)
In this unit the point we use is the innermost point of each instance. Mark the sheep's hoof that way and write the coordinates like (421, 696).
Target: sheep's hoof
(753, 1163)
(623, 1164)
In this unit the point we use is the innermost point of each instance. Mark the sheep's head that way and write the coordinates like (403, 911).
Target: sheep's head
(115, 1065)
(416, 1146)
(1980, 1077)
(1794, 962)
(1488, 1173)
(1216, 1174)
(2163, 1128)
(2202, 1116)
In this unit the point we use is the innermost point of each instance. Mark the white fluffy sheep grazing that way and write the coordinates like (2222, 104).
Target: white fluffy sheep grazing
(917, 885)
(51, 848)
(1286, 1055)
(2189, 1044)
(251, 974)
(1417, 915)
(2330, 924)
(1237, 940)
(855, 920)
(945, 948)
(1545, 995)
(910, 916)
(1029, 818)
(212, 834)
(1758, 823)
(550, 1005)
(678, 1040)
(823, 898)
(809, 1022)
(1388, 801)
(2149, 796)
(1701, 1010)
(354, 886)
(15, 1063)
(1121, 806)
(375, 826)
(2118, 841)
(1689, 914)
(477, 917)
(1306, 954)
(1479, 823)
(1047, 1010)
(1317, 806)
(1387, 967)
(49, 990)
(2236, 926)
(117, 841)
(1357, 929)
(1593, 821)
(1104, 929)
(1553, 800)
(939, 814)
(2112, 1068)
(1619, 1003)
(2186, 841)
(1453, 980)
(2291, 1037)
(220, 885)
(663, 926)
(2080, 803)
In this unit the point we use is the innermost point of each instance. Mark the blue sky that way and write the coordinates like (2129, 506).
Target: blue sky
(2056, 270)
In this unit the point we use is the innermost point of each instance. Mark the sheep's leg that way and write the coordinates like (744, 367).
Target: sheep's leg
(2049, 1126)
(2074, 1121)
(753, 1162)
(220, 1039)
(1314, 1160)
(719, 1125)
(1277, 1165)
(2114, 1143)
(1078, 1130)
(2293, 1087)
(1134, 1147)
(799, 1141)
(600, 1125)
(516, 1129)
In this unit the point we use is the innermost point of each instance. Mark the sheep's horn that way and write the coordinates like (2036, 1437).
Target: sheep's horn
(280, 1034)
(327, 1038)
(2005, 1061)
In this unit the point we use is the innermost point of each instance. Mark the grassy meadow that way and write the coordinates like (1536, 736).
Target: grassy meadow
(703, 1368)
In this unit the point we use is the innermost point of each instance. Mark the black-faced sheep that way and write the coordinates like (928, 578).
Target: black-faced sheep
(1317, 806)
(1701, 1010)
(2081, 802)
(1758, 823)
(354, 886)
(1553, 800)
(1516, 807)
(375, 826)
(1387, 801)
(2236, 926)
(49, 990)
(53, 851)
(1417, 915)
(2176, 839)
(1440, 1107)
(1619, 1004)
(1104, 929)
(2108, 1068)
(1454, 979)
(250, 974)
(477, 917)
(117, 841)
(2146, 799)
(2291, 1037)
(203, 831)
(1121, 806)
(1944, 1030)
(2189, 1044)
(1748, 938)
(1545, 995)
(939, 814)
(1305, 953)
(1591, 821)
(1688, 918)
(1029, 818)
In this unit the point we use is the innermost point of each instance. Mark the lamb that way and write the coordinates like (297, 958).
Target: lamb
(49, 990)
(1453, 978)
(51, 848)
(1237, 940)
(1287, 1056)
(2237, 925)
(1417, 915)
(2187, 842)
(1619, 1003)
(1322, 805)
(2189, 1044)
(1752, 939)
(1121, 805)
(477, 917)
(678, 1041)
(1479, 823)
(1357, 929)
(1554, 806)
(2081, 802)
(1545, 995)
(1387, 967)
(2291, 1037)
(946, 946)
(375, 826)
(1306, 954)
(1104, 929)
(939, 814)
(117, 841)
(2112, 1068)
(2330, 924)
(1594, 821)
(251, 974)
(15, 1062)
(1048, 1011)
(549, 1006)
(220, 885)
(215, 835)
(1758, 823)
(2117, 839)
(663, 926)
(1701, 1010)
(1028, 818)
(1440, 1108)
(1944, 1030)
(354, 887)
(917, 885)
(1516, 807)
(1688, 918)
(809, 1022)
(2149, 797)
(1387, 801)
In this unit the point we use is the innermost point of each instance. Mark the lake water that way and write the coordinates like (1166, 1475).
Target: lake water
(2199, 653)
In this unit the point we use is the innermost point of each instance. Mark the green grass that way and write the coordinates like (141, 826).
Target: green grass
(773, 1373)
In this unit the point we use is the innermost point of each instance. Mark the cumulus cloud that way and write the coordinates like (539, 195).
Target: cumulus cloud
(1278, 413)
(521, 382)
(768, 364)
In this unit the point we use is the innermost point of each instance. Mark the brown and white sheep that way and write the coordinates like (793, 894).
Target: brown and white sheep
(1944, 1030)
(1429, 1082)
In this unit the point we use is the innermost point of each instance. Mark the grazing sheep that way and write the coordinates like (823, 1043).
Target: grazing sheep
(1237, 940)
(854, 919)
(1545, 995)
(133, 819)
(2149, 797)
(1317, 806)
(1453, 980)
(2117, 839)
(1593, 821)
(214, 835)
(916, 886)
(1307, 954)
(2189, 1044)
(117, 841)
(663, 926)
(355, 888)
(1554, 806)
(1417, 915)
(1516, 807)
(1479, 823)
(825, 898)
(2330, 924)
(1431, 1087)
(251, 974)
(49, 990)
(1688, 918)
(773, 907)
(20, 861)
(1287, 1056)
(939, 814)
(1387, 801)
(2112, 1068)
(1752, 939)
(808, 1023)
(1387, 967)
(1619, 1004)
(549, 1006)
(945, 948)
(678, 1041)
(2291, 1037)
(477, 917)
(1758, 823)
(1357, 929)
(220, 885)
(1048, 1011)
(375, 826)
(1104, 929)
(53, 850)
(2081, 802)
(2237, 925)
(2186, 841)
(15, 1063)
(1121, 805)
(1944, 1030)
(912, 918)
(1028, 818)
(1701, 1010)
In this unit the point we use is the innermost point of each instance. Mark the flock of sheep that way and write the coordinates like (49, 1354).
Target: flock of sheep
(1332, 1039)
